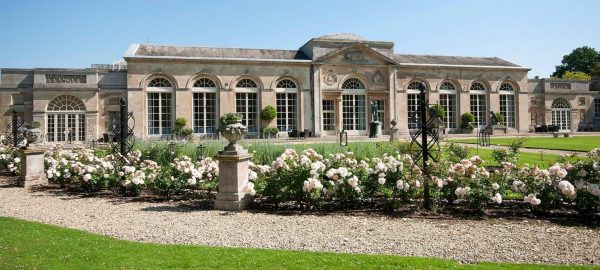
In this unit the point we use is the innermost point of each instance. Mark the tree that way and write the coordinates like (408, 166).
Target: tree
(576, 75)
(596, 70)
(582, 59)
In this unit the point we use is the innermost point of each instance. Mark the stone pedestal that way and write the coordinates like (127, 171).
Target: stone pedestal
(498, 130)
(375, 130)
(233, 177)
(32, 167)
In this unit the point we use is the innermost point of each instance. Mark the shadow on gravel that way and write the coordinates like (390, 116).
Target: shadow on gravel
(8, 181)
(510, 210)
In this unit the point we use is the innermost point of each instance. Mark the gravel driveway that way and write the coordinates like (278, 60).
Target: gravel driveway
(464, 240)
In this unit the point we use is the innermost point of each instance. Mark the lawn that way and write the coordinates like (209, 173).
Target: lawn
(578, 143)
(265, 152)
(31, 245)
(542, 160)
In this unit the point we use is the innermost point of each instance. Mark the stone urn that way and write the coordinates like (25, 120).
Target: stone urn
(233, 132)
(33, 135)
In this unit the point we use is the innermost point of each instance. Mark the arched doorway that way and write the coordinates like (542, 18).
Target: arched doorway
(65, 119)
(561, 114)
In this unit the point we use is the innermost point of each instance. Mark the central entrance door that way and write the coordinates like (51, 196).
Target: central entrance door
(64, 127)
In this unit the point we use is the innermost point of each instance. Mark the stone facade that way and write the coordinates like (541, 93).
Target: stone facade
(323, 87)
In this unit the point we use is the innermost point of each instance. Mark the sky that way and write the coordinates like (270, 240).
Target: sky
(75, 34)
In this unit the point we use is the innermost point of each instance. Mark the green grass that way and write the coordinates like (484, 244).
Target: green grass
(541, 160)
(578, 143)
(265, 152)
(31, 245)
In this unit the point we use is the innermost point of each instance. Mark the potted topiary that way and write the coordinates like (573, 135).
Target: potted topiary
(267, 114)
(232, 129)
(500, 118)
(466, 122)
(180, 131)
(269, 132)
(440, 112)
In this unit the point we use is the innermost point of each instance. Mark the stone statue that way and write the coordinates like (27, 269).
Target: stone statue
(374, 109)
(494, 118)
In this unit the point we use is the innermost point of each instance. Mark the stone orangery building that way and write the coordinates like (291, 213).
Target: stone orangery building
(325, 86)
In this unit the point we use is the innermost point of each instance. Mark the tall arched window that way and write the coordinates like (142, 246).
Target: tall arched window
(160, 106)
(507, 104)
(65, 116)
(561, 114)
(246, 103)
(448, 102)
(413, 91)
(354, 106)
(287, 103)
(478, 104)
(204, 118)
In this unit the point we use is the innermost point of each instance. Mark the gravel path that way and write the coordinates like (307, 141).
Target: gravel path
(463, 240)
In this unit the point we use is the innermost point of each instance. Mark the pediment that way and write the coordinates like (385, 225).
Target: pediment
(356, 54)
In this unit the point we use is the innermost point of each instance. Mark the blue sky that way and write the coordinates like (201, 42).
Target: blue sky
(534, 34)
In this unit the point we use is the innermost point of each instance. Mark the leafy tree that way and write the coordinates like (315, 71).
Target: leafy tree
(595, 70)
(582, 59)
(576, 75)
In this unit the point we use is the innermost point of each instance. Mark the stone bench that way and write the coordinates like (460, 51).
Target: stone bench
(564, 134)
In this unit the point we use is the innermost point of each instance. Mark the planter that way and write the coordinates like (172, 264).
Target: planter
(467, 130)
(33, 135)
(233, 132)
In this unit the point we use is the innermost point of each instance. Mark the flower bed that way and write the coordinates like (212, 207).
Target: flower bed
(10, 159)
(312, 180)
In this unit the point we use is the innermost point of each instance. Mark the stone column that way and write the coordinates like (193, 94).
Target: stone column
(32, 167)
(233, 178)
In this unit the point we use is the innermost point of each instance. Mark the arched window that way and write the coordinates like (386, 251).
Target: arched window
(205, 83)
(448, 102)
(413, 103)
(246, 83)
(561, 114)
(506, 87)
(560, 103)
(478, 103)
(159, 82)
(65, 116)
(246, 103)
(353, 83)
(477, 86)
(507, 104)
(286, 102)
(204, 118)
(66, 103)
(354, 107)
(286, 84)
(160, 106)
(447, 86)
(414, 85)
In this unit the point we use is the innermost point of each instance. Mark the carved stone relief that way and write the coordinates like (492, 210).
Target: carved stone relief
(330, 77)
(354, 57)
(54, 78)
(378, 78)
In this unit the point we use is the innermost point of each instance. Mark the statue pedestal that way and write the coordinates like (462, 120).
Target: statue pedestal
(233, 177)
(32, 167)
(497, 130)
(375, 130)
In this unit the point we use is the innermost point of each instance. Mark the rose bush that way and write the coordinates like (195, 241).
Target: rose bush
(310, 179)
